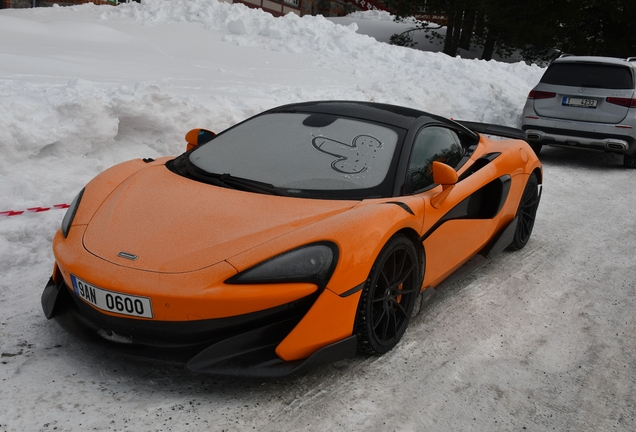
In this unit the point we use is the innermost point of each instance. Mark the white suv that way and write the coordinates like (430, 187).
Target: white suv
(586, 102)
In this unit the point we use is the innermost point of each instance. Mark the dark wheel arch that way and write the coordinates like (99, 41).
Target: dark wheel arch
(535, 146)
(389, 296)
(526, 213)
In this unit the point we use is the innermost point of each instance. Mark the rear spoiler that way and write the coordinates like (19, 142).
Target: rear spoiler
(492, 129)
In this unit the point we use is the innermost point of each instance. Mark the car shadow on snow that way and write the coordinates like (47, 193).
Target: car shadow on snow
(118, 372)
(122, 372)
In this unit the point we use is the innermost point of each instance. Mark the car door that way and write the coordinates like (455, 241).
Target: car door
(457, 227)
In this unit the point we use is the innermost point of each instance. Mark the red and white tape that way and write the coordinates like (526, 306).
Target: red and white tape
(34, 210)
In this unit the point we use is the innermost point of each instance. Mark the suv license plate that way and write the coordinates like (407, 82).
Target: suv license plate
(111, 301)
(581, 103)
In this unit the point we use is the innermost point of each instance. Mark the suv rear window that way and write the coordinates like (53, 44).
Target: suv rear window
(589, 75)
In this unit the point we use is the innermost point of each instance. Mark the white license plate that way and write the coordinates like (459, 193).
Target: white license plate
(578, 102)
(111, 301)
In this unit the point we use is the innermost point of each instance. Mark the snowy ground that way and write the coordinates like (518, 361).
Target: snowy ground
(541, 339)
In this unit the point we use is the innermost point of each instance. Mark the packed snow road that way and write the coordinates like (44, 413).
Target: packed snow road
(539, 339)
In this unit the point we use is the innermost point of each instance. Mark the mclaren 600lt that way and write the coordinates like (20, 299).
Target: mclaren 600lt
(293, 239)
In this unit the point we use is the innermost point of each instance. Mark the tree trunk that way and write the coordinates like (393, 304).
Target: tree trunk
(457, 31)
(454, 28)
(467, 29)
(489, 46)
(480, 22)
(448, 39)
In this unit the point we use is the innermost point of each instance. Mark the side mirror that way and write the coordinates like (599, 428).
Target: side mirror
(445, 176)
(197, 137)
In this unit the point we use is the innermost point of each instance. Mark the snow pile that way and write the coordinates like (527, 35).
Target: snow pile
(141, 75)
(386, 17)
(124, 91)
(372, 15)
(252, 27)
(83, 129)
(400, 75)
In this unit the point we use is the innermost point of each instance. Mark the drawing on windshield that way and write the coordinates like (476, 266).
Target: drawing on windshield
(353, 158)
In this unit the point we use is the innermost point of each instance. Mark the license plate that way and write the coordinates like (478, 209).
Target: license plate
(112, 301)
(581, 103)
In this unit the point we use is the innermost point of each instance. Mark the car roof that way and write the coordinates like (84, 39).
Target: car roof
(395, 115)
(596, 59)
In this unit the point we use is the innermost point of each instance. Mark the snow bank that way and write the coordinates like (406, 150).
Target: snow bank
(111, 95)
(244, 26)
(425, 80)
(53, 143)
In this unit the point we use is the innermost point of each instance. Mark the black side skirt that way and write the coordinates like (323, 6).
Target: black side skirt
(500, 242)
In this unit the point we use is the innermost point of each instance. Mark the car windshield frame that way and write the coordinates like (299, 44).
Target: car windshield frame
(381, 176)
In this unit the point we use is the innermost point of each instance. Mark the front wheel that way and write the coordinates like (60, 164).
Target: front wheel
(526, 213)
(388, 297)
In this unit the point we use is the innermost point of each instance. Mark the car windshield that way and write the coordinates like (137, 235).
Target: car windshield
(589, 75)
(302, 152)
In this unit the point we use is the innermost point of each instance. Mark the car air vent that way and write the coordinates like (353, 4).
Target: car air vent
(403, 205)
(479, 164)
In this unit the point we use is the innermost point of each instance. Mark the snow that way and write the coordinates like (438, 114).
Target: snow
(381, 25)
(538, 339)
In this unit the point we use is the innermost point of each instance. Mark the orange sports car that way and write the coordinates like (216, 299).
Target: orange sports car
(296, 238)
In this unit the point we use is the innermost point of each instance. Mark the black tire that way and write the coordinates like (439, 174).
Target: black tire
(536, 147)
(388, 297)
(526, 213)
(629, 161)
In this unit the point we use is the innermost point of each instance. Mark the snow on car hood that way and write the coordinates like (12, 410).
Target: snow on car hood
(172, 224)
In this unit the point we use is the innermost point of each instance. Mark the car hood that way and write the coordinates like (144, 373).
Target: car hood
(159, 221)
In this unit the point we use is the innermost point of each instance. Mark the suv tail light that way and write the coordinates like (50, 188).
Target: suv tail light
(625, 102)
(536, 94)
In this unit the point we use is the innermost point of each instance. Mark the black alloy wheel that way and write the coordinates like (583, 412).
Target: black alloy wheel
(526, 213)
(388, 297)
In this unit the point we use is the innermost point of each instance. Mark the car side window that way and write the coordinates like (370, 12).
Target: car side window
(433, 143)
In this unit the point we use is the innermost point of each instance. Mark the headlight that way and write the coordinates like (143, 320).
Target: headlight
(70, 213)
(312, 263)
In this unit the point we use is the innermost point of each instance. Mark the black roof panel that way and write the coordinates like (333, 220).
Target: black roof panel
(395, 115)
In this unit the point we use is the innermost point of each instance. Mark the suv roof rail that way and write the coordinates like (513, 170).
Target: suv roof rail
(567, 55)
(630, 59)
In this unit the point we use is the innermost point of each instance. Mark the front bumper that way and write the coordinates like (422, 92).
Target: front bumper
(242, 345)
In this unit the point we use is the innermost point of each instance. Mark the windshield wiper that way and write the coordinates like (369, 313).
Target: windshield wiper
(223, 180)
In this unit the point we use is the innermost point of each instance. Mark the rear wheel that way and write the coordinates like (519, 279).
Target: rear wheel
(388, 297)
(629, 161)
(526, 213)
